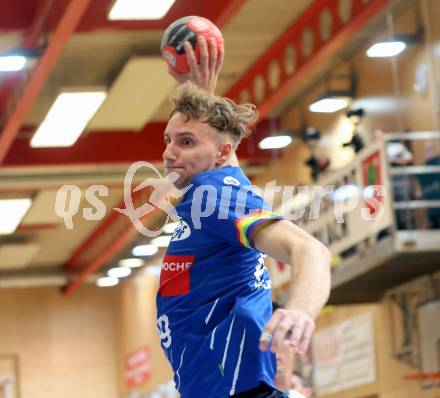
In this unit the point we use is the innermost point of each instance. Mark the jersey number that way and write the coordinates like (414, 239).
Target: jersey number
(163, 327)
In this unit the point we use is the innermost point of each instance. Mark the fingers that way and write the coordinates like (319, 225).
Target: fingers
(204, 56)
(294, 328)
(301, 334)
(269, 329)
(205, 72)
(220, 58)
(179, 77)
(281, 334)
(297, 332)
(213, 56)
(306, 338)
(192, 62)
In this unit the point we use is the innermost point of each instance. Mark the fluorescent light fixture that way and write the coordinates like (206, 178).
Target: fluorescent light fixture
(131, 262)
(170, 228)
(144, 250)
(161, 241)
(12, 63)
(386, 49)
(12, 212)
(330, 104)
(119, 272)
(139, 9)
(107, 281)
(275, 142)
(67, 118)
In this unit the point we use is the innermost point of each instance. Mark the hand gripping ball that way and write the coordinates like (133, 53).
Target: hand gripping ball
(187, 29)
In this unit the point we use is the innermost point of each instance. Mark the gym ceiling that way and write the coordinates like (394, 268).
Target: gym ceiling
(274, 49)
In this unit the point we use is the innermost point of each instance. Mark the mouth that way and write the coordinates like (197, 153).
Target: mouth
(169, 169)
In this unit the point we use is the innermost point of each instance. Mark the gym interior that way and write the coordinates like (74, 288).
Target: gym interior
(349, 97)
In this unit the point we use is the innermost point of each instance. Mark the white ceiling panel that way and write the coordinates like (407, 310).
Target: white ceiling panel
(138, 91)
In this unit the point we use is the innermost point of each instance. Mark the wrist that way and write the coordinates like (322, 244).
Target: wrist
(300, 306)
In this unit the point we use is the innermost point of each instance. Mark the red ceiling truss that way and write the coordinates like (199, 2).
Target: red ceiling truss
(63, 31)
(116, 147)
(290, 59)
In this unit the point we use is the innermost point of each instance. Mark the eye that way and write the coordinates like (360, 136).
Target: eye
(166, 140)
(187, 141)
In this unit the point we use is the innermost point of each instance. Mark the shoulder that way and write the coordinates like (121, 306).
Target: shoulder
(223, 176)
(225, 182)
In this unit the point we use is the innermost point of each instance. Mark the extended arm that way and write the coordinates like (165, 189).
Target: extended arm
(310, 261)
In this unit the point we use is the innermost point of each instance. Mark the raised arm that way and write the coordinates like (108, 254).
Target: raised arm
(310, 261)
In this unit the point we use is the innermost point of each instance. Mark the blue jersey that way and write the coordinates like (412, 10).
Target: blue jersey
(214, 296)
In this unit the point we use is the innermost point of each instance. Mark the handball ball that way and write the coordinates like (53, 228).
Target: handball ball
(187, 29)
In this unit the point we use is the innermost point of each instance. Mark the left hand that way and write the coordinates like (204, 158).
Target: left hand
(293, 327)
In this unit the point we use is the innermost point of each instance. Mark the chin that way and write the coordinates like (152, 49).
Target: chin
(181, 182)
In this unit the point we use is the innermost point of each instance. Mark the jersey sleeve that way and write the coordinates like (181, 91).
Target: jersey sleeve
(245, 225)
(237, 212)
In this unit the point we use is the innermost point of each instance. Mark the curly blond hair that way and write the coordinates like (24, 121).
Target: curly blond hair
(221, 113)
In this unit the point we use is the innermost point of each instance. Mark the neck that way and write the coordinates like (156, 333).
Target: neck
(233, 160)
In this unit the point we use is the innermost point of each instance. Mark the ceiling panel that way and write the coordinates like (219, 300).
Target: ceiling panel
(42, 210)
(17, 255)
(134, 97)
(93, 59)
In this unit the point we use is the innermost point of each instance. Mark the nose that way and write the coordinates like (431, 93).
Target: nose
(169, 154)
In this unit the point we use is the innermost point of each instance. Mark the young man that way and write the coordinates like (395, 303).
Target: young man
(214, 307)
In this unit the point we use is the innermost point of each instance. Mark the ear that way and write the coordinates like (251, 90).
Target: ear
(224, 152)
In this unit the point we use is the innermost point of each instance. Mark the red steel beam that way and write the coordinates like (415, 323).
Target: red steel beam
(256, 81)
(30, 40)
(118, 147)
(65, 28)
(37, 25)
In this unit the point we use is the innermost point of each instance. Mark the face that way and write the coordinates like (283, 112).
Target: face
(192, 147)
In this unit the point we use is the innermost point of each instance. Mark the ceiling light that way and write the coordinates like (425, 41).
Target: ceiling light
(139, 9)
(275, 142)
(386, 49)
(119, 272)
(170, 228)
(12, 212)
(329, 103)
(67, 118)
(131, 262)
(161, 241)
(106, 281)
(144, 250)
(12, 63)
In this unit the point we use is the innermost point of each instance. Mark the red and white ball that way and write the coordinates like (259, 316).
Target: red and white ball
(187, 29)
